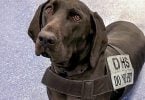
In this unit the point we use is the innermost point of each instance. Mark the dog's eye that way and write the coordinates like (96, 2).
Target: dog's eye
(76, 18)
(50, 10)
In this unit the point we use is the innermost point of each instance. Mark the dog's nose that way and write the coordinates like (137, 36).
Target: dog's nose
(47, 38)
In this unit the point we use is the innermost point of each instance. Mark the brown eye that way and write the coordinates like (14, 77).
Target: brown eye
(74, 15)
(76, 18)
(50, 10)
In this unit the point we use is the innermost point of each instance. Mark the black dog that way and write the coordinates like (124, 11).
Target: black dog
(79, 46)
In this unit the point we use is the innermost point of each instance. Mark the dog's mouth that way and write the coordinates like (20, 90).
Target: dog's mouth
(58, 58)
(44, 54)
(40, 50)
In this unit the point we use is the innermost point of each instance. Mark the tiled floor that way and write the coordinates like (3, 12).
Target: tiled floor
(21, 71)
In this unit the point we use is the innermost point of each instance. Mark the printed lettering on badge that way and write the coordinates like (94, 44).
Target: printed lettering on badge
(122, 72)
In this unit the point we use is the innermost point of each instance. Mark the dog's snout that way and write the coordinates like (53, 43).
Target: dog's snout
(47, 38)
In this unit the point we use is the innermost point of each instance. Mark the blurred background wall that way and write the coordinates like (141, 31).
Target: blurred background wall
(21, 71)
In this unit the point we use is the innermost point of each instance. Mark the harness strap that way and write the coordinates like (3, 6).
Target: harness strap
(117, 49)
(86, 90)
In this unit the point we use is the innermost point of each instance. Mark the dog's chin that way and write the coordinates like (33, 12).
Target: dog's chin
(44, 54)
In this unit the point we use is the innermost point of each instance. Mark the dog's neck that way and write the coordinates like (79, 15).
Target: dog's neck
(82, 68)
(84, 71)
(78, 64)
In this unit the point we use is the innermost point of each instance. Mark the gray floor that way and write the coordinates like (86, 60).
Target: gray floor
(21, 71)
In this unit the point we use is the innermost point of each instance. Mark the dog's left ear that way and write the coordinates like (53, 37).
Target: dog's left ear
(34, 27)
(99, 38)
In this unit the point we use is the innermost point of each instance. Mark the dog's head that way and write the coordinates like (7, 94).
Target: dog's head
(66, 31)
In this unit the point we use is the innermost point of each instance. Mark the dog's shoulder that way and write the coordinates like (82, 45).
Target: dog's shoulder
(130, 39)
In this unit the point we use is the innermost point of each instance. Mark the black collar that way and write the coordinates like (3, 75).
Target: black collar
(77, 88)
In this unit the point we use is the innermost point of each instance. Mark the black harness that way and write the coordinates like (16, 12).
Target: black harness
(86, 89)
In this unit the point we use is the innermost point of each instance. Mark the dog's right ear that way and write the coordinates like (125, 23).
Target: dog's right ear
(99, 38)
(35, 25)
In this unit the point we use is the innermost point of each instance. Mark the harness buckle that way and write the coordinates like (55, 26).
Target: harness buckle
(87, 90)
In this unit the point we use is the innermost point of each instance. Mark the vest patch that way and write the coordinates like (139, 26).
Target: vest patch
(122, 72)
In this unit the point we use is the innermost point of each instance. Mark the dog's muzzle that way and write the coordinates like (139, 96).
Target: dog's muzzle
(47, 39)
